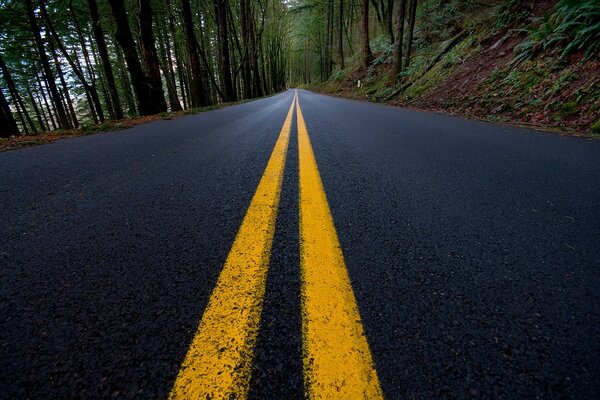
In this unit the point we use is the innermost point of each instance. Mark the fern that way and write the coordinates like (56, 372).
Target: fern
(573, 26)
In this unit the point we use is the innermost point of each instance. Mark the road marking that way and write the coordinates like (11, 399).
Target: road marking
(336, 356)
(218, 363)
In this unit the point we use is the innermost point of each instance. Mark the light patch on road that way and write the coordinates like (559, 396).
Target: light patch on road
(336, 356)
(218, 363)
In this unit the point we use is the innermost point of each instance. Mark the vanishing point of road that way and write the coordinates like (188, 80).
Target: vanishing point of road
(302, 246)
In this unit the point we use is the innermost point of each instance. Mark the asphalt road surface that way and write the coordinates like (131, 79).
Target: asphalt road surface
(386, 253)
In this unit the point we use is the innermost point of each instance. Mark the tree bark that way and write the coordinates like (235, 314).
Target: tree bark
(105, 59)
(365, 53)
(411, 29)
(150, 56)
(48, 107)
(341, 34)
(223, 50)
(36, 109)
(63, 119)
(198, 93)
(246, 71)
(253, 53)
(93, 93)
(167, 67)
(147, 104)
(397, 63)
(8, 125)
(16, 97)
(328, 39)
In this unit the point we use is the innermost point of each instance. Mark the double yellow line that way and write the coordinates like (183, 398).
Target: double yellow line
(336, 357)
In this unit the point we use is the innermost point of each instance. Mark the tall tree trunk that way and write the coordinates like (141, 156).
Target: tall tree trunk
(93, 93)
(327, 53)
(105, 59)
(23, 114)
(223, 50)
(389, 20)
(147, 104)
(397, 62)
(84, 50)
(198, 94)
(103, 87)
(46, 103)
(36, 109)
(412, 15)
(341, 34)
(244, 27)
(8, 125)
(63, 119)
(365, 48)
(65, 87)
(167, 68)
(126, 86)
(150, 56)
(257, 90)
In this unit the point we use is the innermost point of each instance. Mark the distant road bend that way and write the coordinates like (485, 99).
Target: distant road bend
(302, 246)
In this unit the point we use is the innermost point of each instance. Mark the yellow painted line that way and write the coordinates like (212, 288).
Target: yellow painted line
(218, 363)
(336, 356)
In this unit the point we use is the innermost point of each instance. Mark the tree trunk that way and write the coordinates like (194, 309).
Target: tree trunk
(327, 56)
(147, 104)
(401, 10)
(223, 50)
(126, 86)
(105, 59)
(48, 107)
(246, 71)
(8, 125)
(412, 14)
(93, 93)
(167, 67)
(389, 20)
(150, 56)
(36, 109)
(198, 94)
(257, 90)
(63, 119)
(65, 88)
(16, 97)
(365, 53)
(341, 34)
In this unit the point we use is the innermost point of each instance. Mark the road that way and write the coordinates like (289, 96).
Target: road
(322, 247)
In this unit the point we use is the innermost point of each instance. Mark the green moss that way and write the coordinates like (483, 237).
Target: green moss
(596, 128)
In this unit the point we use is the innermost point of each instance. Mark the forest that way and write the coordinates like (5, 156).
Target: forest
(68, 64)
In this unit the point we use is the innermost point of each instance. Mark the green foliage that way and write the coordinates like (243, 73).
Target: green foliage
(596, 128)
(580, 22)
(338, 75)
(509, 12)
(573, 26)
(382, 50)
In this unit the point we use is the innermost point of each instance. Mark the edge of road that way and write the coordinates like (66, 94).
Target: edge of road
(25, 141)
(508, 124)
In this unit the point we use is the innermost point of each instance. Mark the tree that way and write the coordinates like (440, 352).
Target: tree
(399, 38)
(245, 33)
(341, 34)
(198, 94)
(63, 119)
(150, 56)
(365, 52)
(8, 125)
(145, 94)
(412, 16)
(105, 59)
(223, 45)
